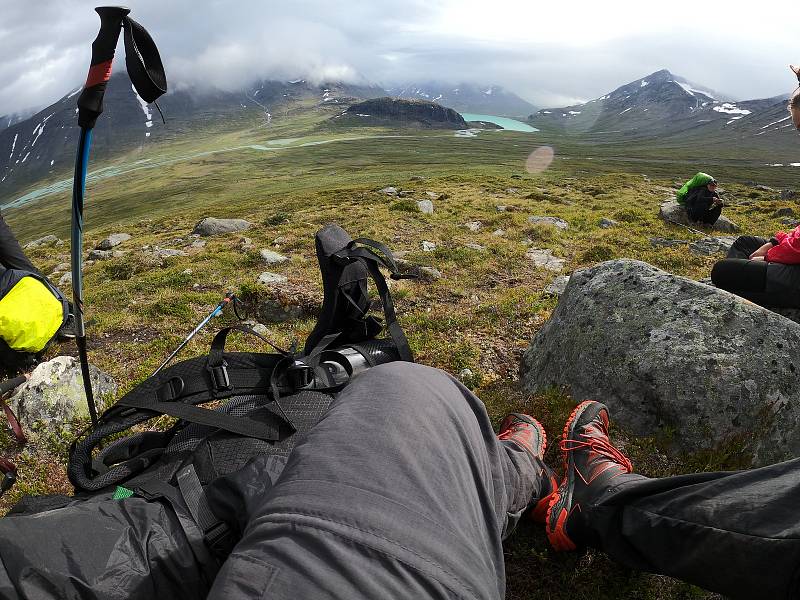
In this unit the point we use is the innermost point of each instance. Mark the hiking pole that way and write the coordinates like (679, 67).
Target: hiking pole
(90, 106)
(693, 230)
(149, 80)
(229, 297)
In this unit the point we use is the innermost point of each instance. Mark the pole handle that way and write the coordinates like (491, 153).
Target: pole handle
(90, 102)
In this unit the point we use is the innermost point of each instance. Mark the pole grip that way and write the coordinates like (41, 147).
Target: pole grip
(90, 102)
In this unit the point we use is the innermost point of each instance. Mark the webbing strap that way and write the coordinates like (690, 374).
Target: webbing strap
(215, 530)
(203, 416)
(398, 336)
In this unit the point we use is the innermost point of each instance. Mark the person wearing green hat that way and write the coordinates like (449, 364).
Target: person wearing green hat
(700, 198)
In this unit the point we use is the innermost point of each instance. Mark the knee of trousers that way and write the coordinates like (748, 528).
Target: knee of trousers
(410, 385)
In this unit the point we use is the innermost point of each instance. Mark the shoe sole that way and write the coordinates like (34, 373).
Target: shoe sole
(560, 504)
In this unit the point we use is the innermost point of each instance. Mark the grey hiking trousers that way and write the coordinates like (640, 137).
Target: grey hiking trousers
(404, 491)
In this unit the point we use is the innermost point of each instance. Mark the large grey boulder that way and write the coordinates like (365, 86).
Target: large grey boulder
(675, 357)
(674, 212)
(54, 394)
(212, 226)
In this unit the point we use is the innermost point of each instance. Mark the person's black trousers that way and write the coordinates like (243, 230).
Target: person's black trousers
(703, 211)
(765, 283)
(11, 253)
(404, 491)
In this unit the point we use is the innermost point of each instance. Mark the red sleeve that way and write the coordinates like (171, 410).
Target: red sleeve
(787, 252)
(780, 235)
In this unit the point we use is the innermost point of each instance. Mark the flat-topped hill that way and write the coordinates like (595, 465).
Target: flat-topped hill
(398, 112)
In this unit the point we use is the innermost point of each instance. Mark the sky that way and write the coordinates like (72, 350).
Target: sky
(551, 54)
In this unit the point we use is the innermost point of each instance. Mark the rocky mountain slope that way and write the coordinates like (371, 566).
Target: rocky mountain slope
(44, 144)
(663, 104)
(465, 97)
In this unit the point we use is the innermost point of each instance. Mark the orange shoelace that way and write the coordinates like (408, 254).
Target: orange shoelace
(601, 446)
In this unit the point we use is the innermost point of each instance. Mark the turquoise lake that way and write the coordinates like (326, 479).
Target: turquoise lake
(504, 122)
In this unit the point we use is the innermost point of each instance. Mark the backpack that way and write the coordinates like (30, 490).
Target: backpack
(32, 311)
(699, 180)
(131, 483)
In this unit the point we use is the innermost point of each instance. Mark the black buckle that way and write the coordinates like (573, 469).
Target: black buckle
(299, 375)
(220, 377)
(171, 390)
(218, 538)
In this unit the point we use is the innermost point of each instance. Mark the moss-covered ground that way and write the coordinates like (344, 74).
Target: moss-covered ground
(480, 315)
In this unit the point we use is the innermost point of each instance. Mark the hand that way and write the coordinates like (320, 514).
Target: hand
(761, 258)
(761, 252)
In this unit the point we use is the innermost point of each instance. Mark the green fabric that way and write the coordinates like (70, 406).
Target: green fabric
(121, 493)
(696, 181)
(30, 315)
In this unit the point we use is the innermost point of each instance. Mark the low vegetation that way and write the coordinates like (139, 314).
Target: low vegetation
(479, 316)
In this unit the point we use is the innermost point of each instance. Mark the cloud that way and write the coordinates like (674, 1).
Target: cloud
(548, 54)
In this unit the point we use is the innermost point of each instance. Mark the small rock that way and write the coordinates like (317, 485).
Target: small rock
(763, 188)
(62, 267)
(788, 194)
(429, 274)
(66, 279)
(48, 240)
(405, 193)
(499, 232)
(784, 212)
(105, 254)
(115, 239)
(428, 246)
(555, 221)
(267, 278)
(557, 286)
(198, 244)
(666, 242)
(196, 286)
(501, 208)
(186, 272)
(473, 225)
(512, 190)
(544, 259)
(790, 221)
(279, 240)
(163, 253)
(246, 244)
(476, 247)
(273, 258)
(211, 226)
(416, 178)
(260, 329)
(389, 191)
(425, 207)
(607, 223)
(433, 195)
(711, 245)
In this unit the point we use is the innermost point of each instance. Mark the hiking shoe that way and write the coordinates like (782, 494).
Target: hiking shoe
(530, 435)
(67, 331)
(591, 465)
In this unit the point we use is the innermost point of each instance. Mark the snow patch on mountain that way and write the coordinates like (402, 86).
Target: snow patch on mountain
(731, 109)
(644, 83)
(13, 145)
(145, 108)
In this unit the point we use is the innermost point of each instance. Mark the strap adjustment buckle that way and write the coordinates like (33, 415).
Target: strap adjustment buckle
(220, 378)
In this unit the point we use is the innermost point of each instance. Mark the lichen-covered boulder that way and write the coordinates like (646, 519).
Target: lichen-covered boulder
(674, 357)
(54, 394)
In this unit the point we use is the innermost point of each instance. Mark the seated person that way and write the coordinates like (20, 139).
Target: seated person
(703, 204)
(32, 311)
(11, 254)
(763, 271)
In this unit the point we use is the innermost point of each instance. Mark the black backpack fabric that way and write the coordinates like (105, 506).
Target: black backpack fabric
(184, 482)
